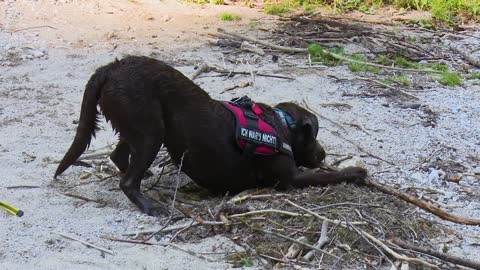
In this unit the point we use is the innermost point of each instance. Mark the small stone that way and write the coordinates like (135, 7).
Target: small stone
(37, 54)
(419, 178)
(434, 175)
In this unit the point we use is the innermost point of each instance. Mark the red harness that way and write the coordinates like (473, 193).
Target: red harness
(253, 134)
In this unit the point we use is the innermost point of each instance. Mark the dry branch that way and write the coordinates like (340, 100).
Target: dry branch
(268, 211)
(336, 222)
(83, 198)
(439, 255)
(468, 57)
(425, 206)
(295, 241)
(323, 240)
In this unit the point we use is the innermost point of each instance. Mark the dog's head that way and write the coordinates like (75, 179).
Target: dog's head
(307, 151)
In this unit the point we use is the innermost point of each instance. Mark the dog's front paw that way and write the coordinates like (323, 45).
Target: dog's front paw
(156, 211)
(354, 175)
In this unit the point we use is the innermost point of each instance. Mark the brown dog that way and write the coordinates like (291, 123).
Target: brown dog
(149, 103)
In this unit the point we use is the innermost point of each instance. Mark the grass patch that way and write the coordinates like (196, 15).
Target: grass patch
(400, 61)
(474, 75)
(358, 67)
(450, 78)
(324, 56)
(442, 10)
(401, 79)
(225, 16)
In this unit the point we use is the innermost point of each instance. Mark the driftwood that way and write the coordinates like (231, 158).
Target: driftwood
(426, 206)
(439, 255)
(467, 56)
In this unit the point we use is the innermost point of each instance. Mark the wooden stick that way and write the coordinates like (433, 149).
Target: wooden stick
(393, 253)
(175, 228)
(295, 241)
(333, 221)
(267, 211)
(83, 198)
(468, 57)
(439, 255)
(85, 243)
(425, 206)
(156, 244)
(204, 68)
(323, 240)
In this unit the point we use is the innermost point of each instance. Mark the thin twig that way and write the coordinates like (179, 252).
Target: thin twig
(268, 211)
(295, 241)
(439, 255)
(424, 205)
(369, 242)
(336, 222)
(34, 27)
(173, 201)
(83, 198)
(175, 228)
(394, 89)
(85, 243)
(193, 253)
(22, 186)
(204, 68)
(323, 240)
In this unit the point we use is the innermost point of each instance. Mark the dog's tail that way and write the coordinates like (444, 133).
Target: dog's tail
(88, 123)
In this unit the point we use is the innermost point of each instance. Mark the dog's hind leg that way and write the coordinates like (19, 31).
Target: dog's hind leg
(120, 155)
(142, 155)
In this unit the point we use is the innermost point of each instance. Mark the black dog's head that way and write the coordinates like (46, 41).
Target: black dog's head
(307, 151)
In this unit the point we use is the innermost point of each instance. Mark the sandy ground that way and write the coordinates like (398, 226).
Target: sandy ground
(42, 75)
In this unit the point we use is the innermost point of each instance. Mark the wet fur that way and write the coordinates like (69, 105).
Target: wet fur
(149, 103)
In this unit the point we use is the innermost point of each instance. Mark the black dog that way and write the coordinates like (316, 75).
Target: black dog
(149, 103)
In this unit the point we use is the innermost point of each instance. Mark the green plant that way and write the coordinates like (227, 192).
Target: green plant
(345, 5)
(276, 9)
(319, 54)
(217, 2)
(450, 78)
(400, 61)
(357, 67)
(474, 75)
(247, 261)
(401, 79)
(225, 16)
(366, 9)
(442, 10)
